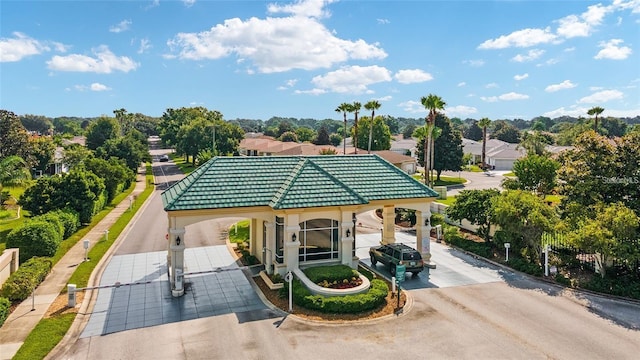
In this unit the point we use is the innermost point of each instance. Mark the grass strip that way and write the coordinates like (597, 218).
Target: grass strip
(44, 337)
(239, 232)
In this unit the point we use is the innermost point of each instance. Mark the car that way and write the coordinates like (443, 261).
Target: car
(391, 255)
(164, 158)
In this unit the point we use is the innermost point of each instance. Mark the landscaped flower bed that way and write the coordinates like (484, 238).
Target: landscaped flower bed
(344, 284)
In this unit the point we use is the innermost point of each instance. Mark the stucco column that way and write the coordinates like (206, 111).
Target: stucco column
(253, 238)
(346, 250)
(388, 224)
(176, 255)
(291, 247)
(423, 235)
(270, 246)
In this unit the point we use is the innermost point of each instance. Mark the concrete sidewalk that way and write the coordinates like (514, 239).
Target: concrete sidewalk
(29, 313)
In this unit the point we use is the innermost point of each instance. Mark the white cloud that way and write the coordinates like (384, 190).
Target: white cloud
(188, 3)
(491, 86)
(92, 87)
(383, 21)
(144, 46)
(505, 97)
(601, 97)
(461, 84)
(276, 44)
(104, 62)
(412, 106)
(460, 110)
(124, 25)
(582, 26)
(352, 79)
(21, 46)
(412, 76)
(311, 92)
(385, 98)
(531, 55)
(99, 87)
(567, 84)
(521, 77)
(520, 38)
(577, 111)
(311, 8)
(153, 4)
(474, 63)
(611, 50)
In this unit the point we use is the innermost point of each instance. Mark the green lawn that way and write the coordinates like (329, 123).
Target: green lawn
(239, 231)
(46, 335)
(9, 218)
(184, 166)
(448, 201)
(510, 174)
(473, 168)
(444, 180)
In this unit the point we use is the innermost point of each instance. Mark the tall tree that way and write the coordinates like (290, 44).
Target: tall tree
(484, 124)
(473, 132)
(371, 105)
(323, 136)
(432, 103)
(43, 150)
(448, 152)
(101, 130)
(356, 106)
(344, 108)
(14, 139)
(381, 135)
(596, 110)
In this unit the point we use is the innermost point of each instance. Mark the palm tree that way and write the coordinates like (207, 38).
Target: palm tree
(355, 107)
(596, 110)
(372, 105)
(435, 134)
(484, 123)
(344, 108)
(432, 103)
(13, 171)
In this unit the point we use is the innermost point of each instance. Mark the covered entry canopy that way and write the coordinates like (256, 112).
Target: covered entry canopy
(302, 208)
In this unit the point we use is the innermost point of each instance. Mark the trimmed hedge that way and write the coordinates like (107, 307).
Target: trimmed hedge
(28, 276)
(348, 304)
(53, 219)
(4, 309)
(330, 273)
(70, 220)
(34, 238)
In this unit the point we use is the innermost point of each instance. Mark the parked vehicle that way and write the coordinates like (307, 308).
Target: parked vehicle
(164, 158)
(394, 254)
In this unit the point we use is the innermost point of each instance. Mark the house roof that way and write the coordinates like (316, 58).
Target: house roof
(507, 152)
(288, 182)
(393, 157)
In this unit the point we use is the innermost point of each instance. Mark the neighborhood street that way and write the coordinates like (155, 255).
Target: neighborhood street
(465, 308)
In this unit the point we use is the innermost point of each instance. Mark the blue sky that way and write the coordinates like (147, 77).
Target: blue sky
(259, 59)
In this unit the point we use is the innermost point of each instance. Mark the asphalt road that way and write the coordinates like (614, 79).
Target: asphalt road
(500, 314)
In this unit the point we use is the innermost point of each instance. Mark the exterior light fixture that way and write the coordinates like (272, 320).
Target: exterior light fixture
(294, 237)
(178, 240)
(348, 232)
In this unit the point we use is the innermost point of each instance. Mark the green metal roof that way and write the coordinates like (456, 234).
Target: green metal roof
(288, 182)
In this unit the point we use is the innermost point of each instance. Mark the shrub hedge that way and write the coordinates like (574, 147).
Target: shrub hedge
(34, 238)
(70, 220)
(28, 276)
(4, 309)
(348, 304)
(330, 273)
(53, 219)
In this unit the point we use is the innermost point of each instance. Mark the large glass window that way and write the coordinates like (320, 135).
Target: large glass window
(318, 239)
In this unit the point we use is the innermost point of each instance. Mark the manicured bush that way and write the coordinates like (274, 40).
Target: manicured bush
(625, 285)
(70, 220)
(34, 238)
(330, 273)
(28, 276)
(525, 266)
(53, 219)
(4, 309)
(348, 304)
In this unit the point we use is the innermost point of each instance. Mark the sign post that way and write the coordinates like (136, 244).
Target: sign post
(400, 273)
(506, 247)
(289, 278)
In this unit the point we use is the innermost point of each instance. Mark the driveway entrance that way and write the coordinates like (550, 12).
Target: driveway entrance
(150, 303)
